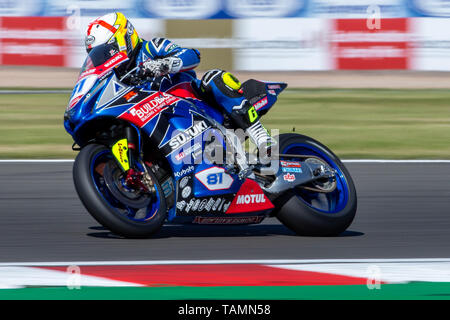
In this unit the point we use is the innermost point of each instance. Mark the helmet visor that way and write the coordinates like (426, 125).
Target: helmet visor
(99, 55)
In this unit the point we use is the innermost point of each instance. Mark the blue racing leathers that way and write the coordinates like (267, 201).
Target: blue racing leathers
(159, 48)
(216, 86)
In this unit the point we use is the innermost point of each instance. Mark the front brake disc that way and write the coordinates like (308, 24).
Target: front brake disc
(116, 185)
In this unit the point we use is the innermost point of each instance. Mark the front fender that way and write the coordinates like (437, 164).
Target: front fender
(103, 130)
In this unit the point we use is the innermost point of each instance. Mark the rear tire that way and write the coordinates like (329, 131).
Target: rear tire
(296, 209)
(102, 210)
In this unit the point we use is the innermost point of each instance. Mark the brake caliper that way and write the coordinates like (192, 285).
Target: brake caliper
(135, 179)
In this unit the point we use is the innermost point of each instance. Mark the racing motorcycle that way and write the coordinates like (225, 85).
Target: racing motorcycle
(148, 157)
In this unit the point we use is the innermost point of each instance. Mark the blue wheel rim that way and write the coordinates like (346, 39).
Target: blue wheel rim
(330, 203)
(118, 207)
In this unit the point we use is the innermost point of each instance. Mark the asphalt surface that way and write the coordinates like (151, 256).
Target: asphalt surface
(403, 212)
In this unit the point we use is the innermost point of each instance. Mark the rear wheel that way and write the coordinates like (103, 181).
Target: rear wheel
(102, 189)
(307, 211)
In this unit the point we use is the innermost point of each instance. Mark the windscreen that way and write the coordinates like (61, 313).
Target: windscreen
(100, 62)
(99, 55)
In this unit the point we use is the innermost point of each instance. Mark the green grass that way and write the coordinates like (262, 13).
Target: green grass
(31, 126)
(354, 123)
(362, 123)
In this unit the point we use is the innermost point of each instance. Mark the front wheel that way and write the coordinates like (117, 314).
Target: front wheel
(102, 190)
(311, 213)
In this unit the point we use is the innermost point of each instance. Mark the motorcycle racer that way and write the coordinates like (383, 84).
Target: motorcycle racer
(164, 64)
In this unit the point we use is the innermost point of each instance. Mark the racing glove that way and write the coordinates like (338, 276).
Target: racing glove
(160, 67)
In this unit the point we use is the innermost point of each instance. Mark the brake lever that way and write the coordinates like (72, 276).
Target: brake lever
(129, 73)
(134, 79)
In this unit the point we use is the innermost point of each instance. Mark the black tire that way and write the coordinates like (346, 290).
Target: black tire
(304, 219)
(103, 212)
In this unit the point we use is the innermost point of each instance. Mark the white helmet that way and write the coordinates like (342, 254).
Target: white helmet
(112, 28)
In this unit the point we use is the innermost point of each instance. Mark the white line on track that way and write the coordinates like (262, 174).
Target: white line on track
(394, 161)
(33, 91)
(235, 261)
(12, 277)
(391, 272)
(35, 160)
(346, 161)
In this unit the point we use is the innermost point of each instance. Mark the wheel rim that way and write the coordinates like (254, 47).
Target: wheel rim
(329, 203)
(97, 164)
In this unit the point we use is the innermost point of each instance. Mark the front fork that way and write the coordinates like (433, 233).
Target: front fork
(126, 152)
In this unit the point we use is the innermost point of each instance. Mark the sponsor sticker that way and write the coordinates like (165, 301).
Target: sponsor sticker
(202, 205)
(181, 205)
(217, 204)
(289, 177)
(250, 198)
(186, 192)
(130, 95)
(184, 181)
(147, 109)
(184, 172)
(115, 60)
(215, 178)
(209, 204)
(119, 150)
(226, 206)
(227, 220)
(290, 164)
(187, 135)
(189, 206)
(130, 28)
(180, 156)
(171, 46)
(87, 73)
(292, 170)
(167, 187)
(261, 103)
(191, 150)
(196, 205)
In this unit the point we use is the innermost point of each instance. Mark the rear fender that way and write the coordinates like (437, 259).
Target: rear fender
(262, 95)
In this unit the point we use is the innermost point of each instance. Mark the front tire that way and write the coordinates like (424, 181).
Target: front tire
(120, 218)
(310, 213)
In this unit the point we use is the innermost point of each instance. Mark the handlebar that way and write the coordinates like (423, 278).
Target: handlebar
(136, 79)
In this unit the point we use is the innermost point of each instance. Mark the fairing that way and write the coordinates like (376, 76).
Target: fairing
(177, 123)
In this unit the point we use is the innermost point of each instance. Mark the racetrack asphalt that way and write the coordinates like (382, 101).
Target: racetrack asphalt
(403, 212)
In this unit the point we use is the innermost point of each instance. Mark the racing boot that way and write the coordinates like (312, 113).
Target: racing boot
(246, 117)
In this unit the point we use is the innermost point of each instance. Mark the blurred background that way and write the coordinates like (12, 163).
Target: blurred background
(367, 77)
(244, 34)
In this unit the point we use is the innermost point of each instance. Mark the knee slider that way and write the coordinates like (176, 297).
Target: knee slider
(222, 81)
(231, 81)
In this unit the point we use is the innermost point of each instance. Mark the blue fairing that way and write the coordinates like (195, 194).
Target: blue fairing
(273, 89)
(178, 129)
